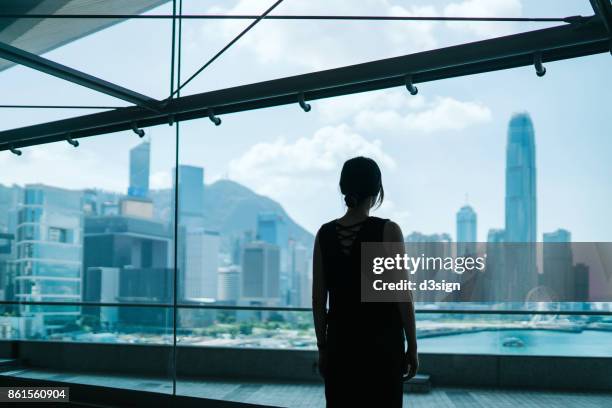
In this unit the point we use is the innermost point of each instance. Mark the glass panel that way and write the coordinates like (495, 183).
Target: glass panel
(279, 48)
(97, 224)
(539, 335)
(246, 328)
(27, 87)
(91, 225)
(133, 53)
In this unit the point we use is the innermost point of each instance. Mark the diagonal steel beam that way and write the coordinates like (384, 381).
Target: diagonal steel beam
(41, 64)
(603, 9)
(556, 43)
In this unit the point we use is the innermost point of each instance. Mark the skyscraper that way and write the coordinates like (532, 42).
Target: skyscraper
(10, 198)
(272, 228)
(229, 283)
(201, 268)
(191, 196)
(49, 251)
(7, 265)
(128, 259)
(300, 283)
(496, 286)
(260, 273)
(466, 231)
(558, 265)
(434, 245)
(520, 274)
(140, 157)
(520, 180)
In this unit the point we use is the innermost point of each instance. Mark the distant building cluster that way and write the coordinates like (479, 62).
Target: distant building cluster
(512, 271)
(100, 248)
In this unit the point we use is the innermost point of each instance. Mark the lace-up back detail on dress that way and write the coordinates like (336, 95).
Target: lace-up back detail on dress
(346, 235)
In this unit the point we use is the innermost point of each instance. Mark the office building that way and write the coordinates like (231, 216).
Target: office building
(229, 283)
(102, 285)
(582, 283)
(10, 199)
(140, 158)
(190, 196)
(521, 180)
(201, 265)
(7, 267)
(430, 245)
(521, 271)
(49, 247)
(466, 231)
(300, 275)
(141, 251)
(261, 273)
(495, 270)
(558, 265)
(272, 228)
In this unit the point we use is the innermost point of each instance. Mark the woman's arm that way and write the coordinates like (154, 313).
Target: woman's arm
(319, 296)
(393, 233)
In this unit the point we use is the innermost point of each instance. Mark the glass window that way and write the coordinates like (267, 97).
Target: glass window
(222, 219)
(57, 235)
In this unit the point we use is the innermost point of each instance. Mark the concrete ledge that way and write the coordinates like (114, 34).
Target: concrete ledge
(536, 372)
(99, 396)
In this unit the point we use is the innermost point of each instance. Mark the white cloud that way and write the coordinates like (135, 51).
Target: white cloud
(389, 209)
(396, 111)
(318, 44)
(160, 179)
(442, 114)
(341, 108)
(324, 44)
(276, 168)
(484, 8)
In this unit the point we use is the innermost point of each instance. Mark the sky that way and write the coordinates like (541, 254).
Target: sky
(438, 150)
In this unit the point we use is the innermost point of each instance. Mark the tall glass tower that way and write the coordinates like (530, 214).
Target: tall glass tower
(520, 180)
(140, 157)
(271, 228)
(466, 231)
(191, 196)
(520, 275)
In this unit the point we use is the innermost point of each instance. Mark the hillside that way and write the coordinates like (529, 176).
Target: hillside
(232, 208)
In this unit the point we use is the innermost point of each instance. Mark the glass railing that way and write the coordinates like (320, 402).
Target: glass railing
(572, 329)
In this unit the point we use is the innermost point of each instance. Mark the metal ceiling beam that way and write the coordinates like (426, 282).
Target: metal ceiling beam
(603, 9)
(41, 64)
(556, 43)
(284, 17)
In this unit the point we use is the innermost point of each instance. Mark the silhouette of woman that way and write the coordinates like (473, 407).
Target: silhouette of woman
(362, 353)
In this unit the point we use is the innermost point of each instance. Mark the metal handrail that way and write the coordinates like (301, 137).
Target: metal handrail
(472, 311)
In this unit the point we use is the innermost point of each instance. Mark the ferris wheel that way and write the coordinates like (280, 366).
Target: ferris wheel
(542, 298)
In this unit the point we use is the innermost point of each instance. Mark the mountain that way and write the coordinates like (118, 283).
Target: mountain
(232, 208)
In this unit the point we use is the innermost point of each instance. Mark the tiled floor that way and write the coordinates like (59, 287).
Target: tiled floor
(311, 395)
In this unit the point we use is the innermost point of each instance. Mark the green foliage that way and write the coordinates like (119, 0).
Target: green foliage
(246, 328)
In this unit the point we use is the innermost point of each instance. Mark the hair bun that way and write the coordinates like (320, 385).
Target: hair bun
(351, 200)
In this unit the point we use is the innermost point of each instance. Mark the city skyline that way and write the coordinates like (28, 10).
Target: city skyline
(273, 268)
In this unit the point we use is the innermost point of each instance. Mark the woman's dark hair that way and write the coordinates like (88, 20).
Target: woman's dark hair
(361, 178)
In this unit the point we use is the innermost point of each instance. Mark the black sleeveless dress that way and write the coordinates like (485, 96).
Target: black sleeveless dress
(365, 341)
